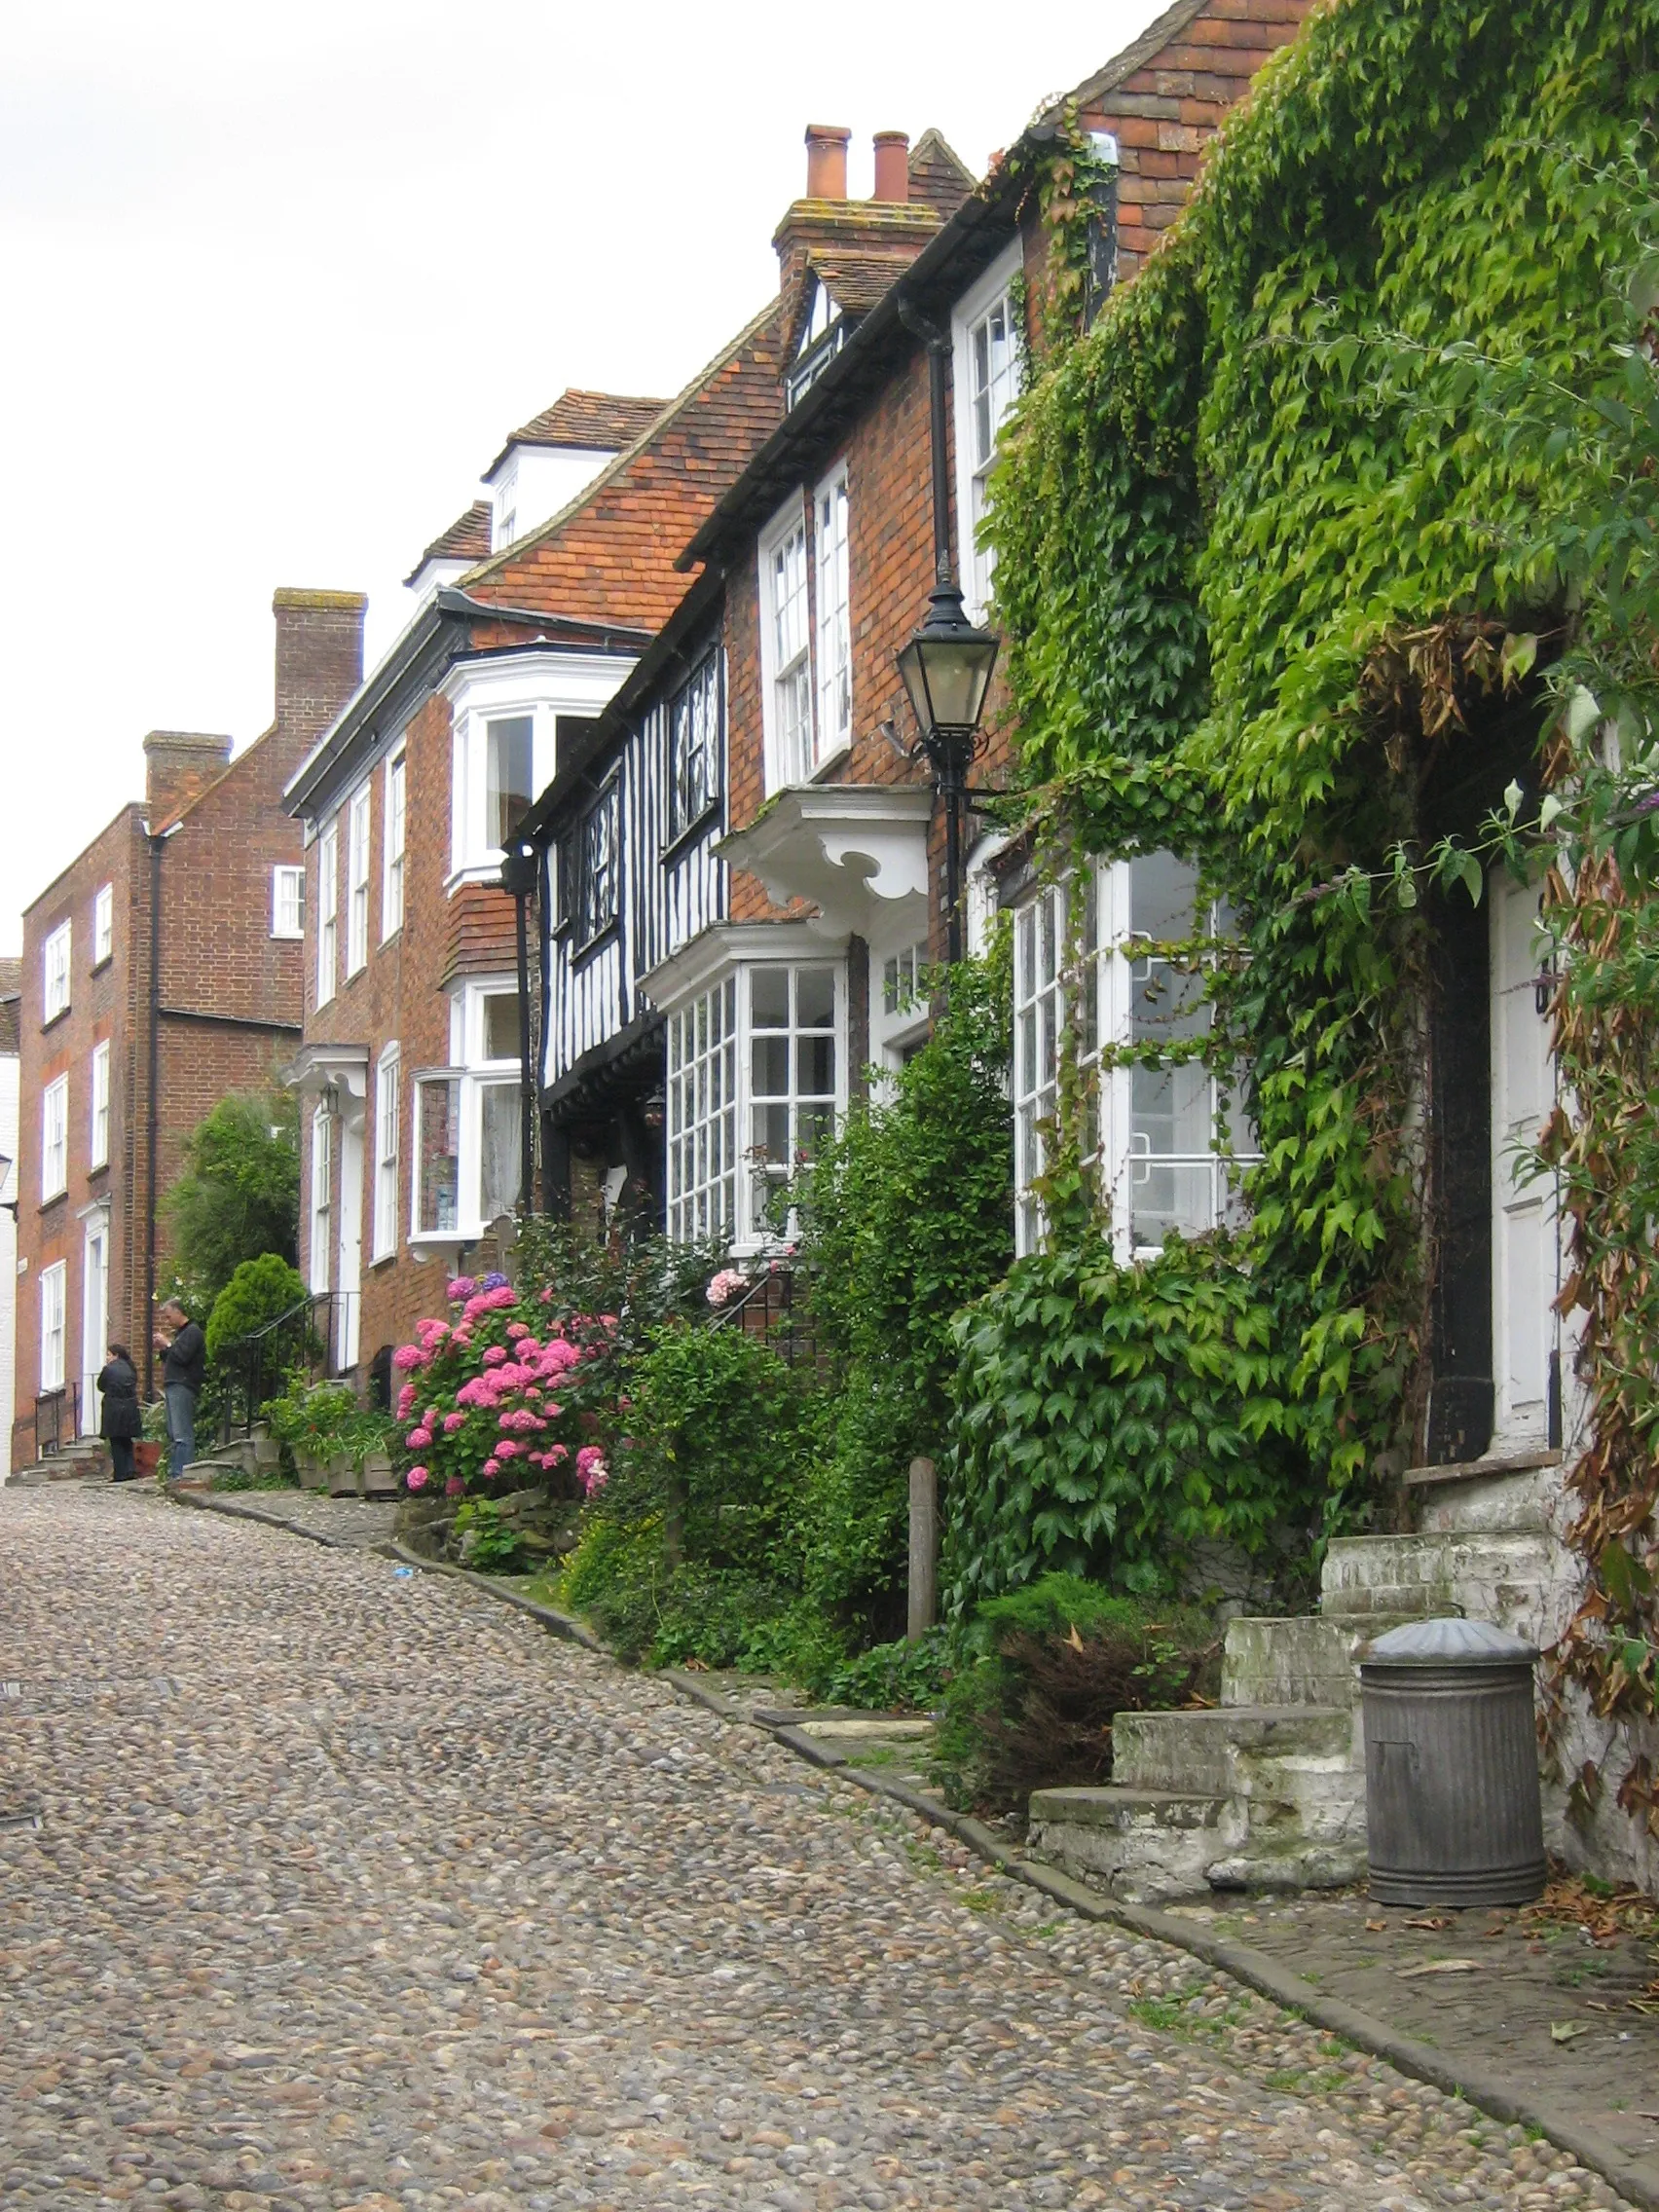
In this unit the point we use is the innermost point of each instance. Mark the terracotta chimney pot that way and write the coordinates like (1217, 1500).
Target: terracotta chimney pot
(892, 167)
(827, 161)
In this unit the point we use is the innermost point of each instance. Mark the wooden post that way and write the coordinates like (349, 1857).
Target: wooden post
(924, 1548)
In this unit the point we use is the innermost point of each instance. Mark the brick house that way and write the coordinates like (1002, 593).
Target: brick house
(11, 994)
(775, 959)
(207, 868)
(530, 609)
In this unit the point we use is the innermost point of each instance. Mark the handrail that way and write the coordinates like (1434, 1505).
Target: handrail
(66, 1394)
(254, 1365)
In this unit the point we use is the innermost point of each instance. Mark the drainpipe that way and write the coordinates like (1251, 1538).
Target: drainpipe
(151, 1113)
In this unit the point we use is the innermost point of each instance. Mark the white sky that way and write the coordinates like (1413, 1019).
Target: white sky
(276, 282)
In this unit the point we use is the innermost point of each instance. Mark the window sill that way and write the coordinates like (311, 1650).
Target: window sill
(391, 937)
(98, 966)
(287, 936)
(382, 1259)
(581, 953)
(830, 761)
(709, 820)
(487, 872)
(52, 1021)
(56, 1199)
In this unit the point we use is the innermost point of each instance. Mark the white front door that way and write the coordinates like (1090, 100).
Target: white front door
(1524, 1217)
(350, 1273)
(94, 1321)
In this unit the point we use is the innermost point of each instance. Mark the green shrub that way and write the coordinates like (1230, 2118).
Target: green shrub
(238, 1195)
(1047, 1670)
(645, 1608)
(890, 1675)
(317, 1420)
(261, 1290)
(487, 1544)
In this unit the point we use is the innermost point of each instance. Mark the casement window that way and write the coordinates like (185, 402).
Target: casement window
(54, 1310)
(755, 1082)
(98, 1154)
(599, 864)
(694, 750)
(395, 834)
(55, 1139)
(986, 376)
(321, 1197)
(834, 730)
(785, 655)
(328, 912)
(899, 1007)
(387, 1110)
(287, 902)
(358, 882)
(468, 1119)
(103, 924)
(55, 973)
(509, 776)
(1154, 1127)
(702, 1117)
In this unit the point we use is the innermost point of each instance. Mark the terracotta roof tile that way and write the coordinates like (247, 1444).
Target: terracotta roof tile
(602, 422)
(939, 176)
(468, 539)
(855, 280)
(608, 557)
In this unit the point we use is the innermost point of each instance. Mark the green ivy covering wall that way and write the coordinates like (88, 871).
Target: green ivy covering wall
(1264, 554)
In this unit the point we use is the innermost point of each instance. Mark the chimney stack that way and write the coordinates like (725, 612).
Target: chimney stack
(892, 167)
(319, 662)
(178, 766)
(827, 161)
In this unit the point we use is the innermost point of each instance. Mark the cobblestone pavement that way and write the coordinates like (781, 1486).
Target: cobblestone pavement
(365, 1520)
(352, 1889)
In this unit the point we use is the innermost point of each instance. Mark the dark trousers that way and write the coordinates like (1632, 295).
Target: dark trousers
(121, 1452)
(181, 1426)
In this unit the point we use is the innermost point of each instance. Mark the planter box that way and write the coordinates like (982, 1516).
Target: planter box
(343, 1479)
(312, 1471)
(147, 1457)
(379, 1477)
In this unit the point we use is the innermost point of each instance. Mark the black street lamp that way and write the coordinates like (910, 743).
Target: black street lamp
(947, 664)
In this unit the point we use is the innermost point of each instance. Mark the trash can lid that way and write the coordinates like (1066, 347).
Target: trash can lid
(1449, 1643)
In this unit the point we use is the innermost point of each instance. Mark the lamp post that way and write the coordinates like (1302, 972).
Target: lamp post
(947, 664)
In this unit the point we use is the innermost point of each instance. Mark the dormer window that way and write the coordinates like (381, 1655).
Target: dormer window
(823, 335)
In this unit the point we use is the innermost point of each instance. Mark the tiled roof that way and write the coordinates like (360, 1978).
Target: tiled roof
(468, 539)
(602, 422)
(608, 557)
(939, 176)
(855, 280)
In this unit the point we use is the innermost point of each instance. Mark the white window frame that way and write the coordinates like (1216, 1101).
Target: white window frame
(898, 1010)
(833, 619)
(328, 912)
(289, 902)
(393, 841)
(54, 1324)
(996, 289)
(55, 954)
(357, 882)
(704, 1158)
(388, 1116)
(103, 924)
(543, 686)
(320, 1254)
(465, 1081)
(786, 702)
(698, 1169)
(54, 1138)
(99, 1153)
(1105, 968)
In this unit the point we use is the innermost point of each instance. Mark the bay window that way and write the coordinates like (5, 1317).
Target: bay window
(509, 774)
(468, 1120)
(513, 717)
(358, 882)
(756, 1080)
(1156, 1106)
(437, 1155)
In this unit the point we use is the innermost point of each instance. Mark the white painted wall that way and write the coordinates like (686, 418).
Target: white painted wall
(8, 1068)
(532, 483)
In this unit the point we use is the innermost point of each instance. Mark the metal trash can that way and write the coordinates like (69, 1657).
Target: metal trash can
(1451, 1802)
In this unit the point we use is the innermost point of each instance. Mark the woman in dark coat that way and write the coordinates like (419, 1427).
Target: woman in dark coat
(122, 1421)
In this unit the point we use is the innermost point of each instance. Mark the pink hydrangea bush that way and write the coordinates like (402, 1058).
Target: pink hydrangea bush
(505, 1394)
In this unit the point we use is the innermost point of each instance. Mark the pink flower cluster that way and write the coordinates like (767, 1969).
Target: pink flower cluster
(728, 1284)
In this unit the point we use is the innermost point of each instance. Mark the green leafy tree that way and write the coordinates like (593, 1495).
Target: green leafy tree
(239, 1196)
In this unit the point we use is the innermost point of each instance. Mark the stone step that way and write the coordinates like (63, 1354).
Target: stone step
(1149, 1846)
(1510, 1576)
(1232, 1750)
(1306, 1660)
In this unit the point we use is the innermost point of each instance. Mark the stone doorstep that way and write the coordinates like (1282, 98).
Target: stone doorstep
(1234, 1750)
(1154, 1845)
(1376, 1573)
(1304, 1659)
(871, 1728)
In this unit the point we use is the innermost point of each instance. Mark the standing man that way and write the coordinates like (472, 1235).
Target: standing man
(186, 1349)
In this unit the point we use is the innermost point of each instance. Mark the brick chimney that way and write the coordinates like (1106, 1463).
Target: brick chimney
(319, 662)
(827, 146)
(178, 766)
(892, 167)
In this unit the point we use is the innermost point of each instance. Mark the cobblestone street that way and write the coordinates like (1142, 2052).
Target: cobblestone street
(348, 1887)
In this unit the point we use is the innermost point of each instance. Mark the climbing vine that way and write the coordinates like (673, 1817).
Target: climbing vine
(1340, 487)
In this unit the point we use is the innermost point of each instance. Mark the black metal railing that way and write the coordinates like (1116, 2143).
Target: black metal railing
(51, 1431)
(298, 1344)
(773, 1309)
